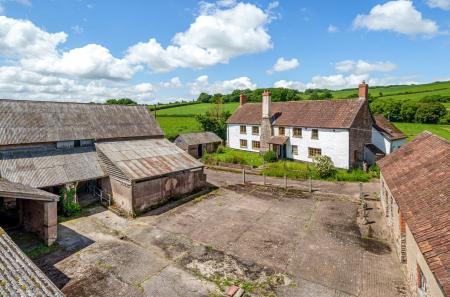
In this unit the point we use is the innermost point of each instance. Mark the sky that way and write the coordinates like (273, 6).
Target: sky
(162, 51)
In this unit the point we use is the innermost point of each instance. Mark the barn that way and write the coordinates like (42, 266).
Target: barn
(196, 144)
(110, 152)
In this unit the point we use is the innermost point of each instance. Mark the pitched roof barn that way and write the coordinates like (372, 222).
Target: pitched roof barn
(25, 122)
(418, 175)
(43, 168)
(388, 129)
(15, 190)
(307, 113)
(19, 276)
(197, 138)
(144, 159)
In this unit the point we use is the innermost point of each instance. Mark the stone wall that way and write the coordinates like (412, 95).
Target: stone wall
(40, 217)
(360, 134)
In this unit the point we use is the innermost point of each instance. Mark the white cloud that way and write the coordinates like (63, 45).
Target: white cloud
(442, 4)
(92, 61)
(340, 81)
(399, 16)
(332, 29)
(364, 67)
(21, 38)
(201, 84)
(284, 65)
(217, 35)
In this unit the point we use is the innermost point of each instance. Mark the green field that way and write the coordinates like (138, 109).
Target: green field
(172, 126)
(412, 129)
(194, 109)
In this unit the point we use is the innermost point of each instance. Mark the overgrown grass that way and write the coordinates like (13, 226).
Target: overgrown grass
(298, 170)
(231, 156)
(191, 110)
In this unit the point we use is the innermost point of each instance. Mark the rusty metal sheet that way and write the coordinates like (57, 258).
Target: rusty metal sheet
(147, 158)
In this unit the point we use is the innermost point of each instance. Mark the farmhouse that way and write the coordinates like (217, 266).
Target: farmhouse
(301, 130)
(19, 275)
(116, 152)
(415, 193)
(196, 144)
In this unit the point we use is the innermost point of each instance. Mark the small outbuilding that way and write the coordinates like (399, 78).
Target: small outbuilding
(196, 144)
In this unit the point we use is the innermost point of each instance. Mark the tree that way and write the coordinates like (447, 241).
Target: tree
(408, 111)
(122, 101)
(204, 97)
(430, 113)
(214, 120)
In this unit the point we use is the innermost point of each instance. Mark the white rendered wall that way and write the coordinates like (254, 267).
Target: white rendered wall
(380, 141)
(234, 137)
(333, 143)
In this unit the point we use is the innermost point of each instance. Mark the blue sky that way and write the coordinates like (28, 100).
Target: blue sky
(166, 50)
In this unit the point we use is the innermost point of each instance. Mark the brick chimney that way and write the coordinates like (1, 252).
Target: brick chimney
(266, 101)
(363, 90)
(242, 99)
(266, 125)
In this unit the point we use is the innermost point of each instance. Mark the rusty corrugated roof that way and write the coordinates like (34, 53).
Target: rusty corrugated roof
(44, 168)
(143, 159)
(418, 176)
(308, 113)
(19, 276)
(24, 122)
(197, 138)
(14, 190)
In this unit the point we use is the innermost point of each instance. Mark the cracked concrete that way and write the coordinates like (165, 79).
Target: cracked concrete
(288, 244)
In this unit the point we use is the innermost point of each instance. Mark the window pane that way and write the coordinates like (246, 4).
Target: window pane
(255, 130)
(281, 131)
(255, 144)
(312, 152)
(243, 129)
(295, 150)
(243, 143)
(315, 134)
(297, 132)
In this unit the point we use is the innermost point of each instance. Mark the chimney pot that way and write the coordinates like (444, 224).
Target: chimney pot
(266, 102)
(363, 90)
(242, 99)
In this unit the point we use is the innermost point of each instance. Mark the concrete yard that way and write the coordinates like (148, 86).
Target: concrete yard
(271, 242)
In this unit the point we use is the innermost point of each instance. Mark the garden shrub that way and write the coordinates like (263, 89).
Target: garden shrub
(430, 113)
(324, 166)
(270, 156)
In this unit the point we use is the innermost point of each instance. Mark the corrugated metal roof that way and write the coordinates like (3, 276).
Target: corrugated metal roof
(308, 113)
(33, 121)
(142, 159)
(14, 190)
(44, 168)
(19, 276)
(197, 138)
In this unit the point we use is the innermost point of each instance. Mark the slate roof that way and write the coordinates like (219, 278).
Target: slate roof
(197, 138)
(19, 276)
(23, 122)
(307, 113)
(418, 175)
(14, 190)
(387, 128)
(144, 159)
(43, 168)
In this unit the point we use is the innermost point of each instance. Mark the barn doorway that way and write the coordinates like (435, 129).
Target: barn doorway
(200, 150)
(9, 214)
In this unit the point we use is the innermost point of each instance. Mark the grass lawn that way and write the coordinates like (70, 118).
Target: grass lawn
(172, 126)
(412, 129)
(194, 109)
(235, 157)
(299, 170)
(292, 169)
